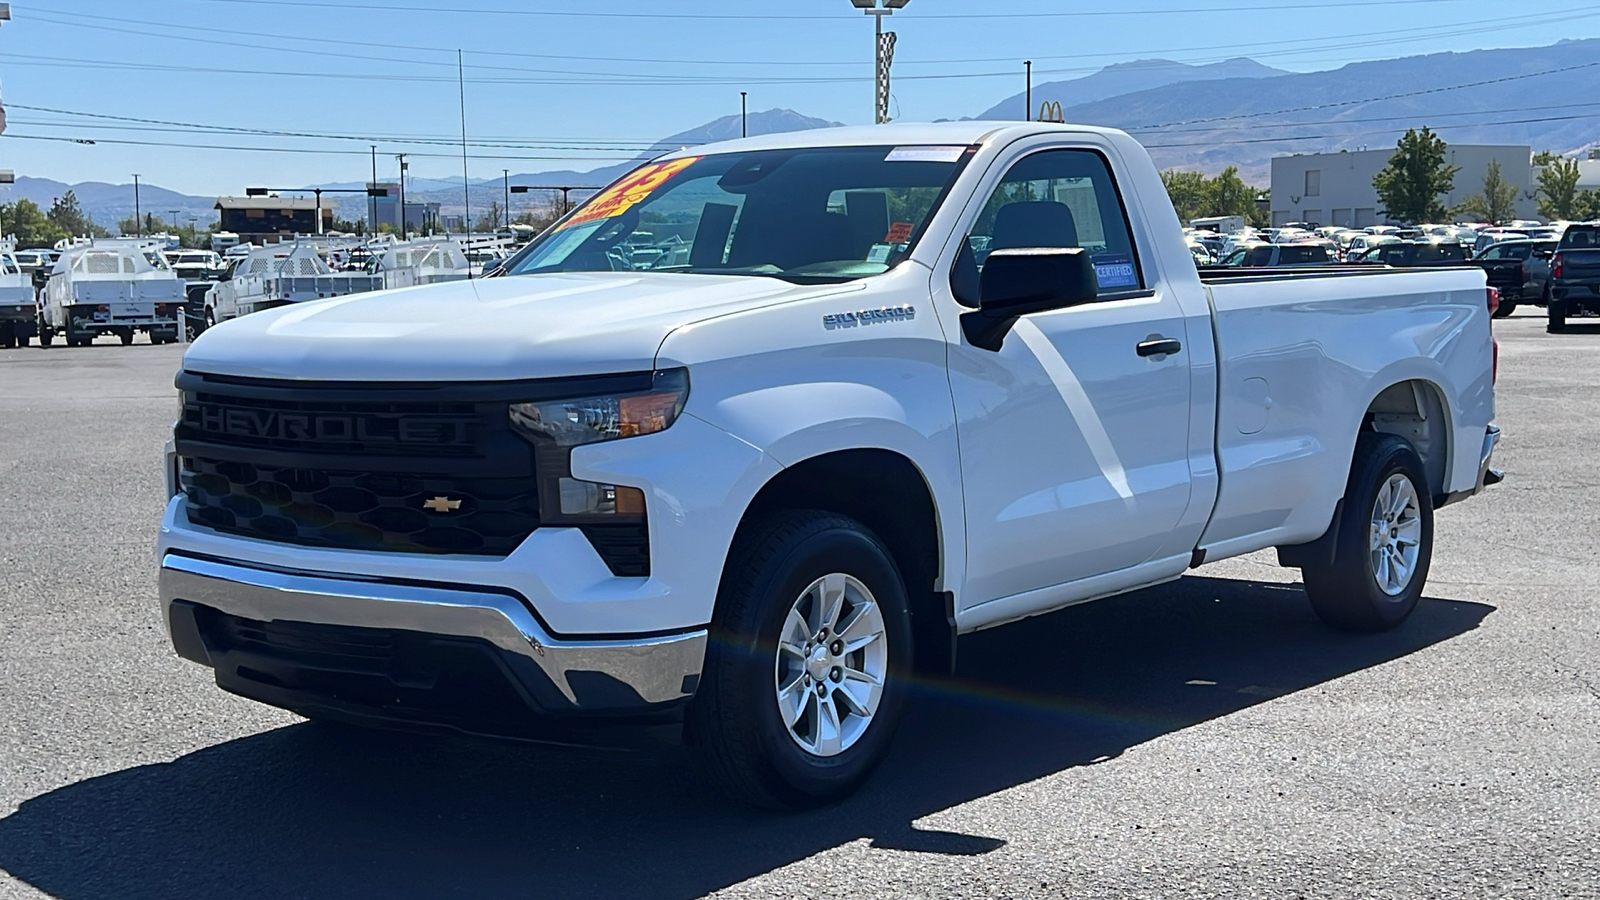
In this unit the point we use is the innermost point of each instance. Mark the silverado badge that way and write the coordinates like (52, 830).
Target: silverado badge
(441, 504)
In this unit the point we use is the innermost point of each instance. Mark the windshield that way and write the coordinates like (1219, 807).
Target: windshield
(818, 214)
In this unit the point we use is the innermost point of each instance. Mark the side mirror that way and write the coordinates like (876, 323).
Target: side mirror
(1022, 281)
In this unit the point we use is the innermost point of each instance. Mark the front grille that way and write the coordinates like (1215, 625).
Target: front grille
(361, 510)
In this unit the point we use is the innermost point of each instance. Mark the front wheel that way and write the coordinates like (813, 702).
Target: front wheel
(1383, 543)
(806, 670)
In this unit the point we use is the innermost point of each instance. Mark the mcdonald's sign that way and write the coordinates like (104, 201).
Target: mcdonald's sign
(1050, 111)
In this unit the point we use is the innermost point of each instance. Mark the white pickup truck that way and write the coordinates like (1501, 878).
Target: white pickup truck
(907, 382)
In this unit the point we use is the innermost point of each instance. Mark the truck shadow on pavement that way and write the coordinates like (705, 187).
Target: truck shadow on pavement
(317, 811)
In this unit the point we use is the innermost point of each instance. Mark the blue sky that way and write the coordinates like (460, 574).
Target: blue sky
(581, 85)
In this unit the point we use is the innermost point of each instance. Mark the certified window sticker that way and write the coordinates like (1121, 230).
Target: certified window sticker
(1115, 270)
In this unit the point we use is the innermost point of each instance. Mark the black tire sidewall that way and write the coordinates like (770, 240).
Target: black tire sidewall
(1383, 456)
(832, 544)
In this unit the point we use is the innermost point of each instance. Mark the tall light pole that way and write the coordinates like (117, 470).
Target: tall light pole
(175, 226)
(138, 221)
(1027, 104)
(506, 175)
(744, 130)
(883, 53)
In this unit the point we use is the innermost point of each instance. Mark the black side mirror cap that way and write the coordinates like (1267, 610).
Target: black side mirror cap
(1020, 281)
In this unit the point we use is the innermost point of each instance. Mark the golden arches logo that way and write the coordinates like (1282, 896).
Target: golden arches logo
(1050, 111)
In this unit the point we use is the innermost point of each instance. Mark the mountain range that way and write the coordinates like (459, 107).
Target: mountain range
(1200, 117)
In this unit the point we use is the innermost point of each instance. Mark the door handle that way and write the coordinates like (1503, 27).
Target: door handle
(1159, 347)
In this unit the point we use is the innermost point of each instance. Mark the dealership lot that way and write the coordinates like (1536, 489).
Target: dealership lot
(1206, 738)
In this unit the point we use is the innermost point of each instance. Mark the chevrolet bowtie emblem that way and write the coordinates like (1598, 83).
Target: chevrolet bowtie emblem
(441, 504)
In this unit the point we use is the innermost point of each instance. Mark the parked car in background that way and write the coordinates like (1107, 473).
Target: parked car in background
(1363, 242)
(1412, 254)
(1575, 275)
(1281, 256)
(1520, 270)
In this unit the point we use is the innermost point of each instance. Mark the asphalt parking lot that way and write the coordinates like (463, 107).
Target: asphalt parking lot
(1204, 739)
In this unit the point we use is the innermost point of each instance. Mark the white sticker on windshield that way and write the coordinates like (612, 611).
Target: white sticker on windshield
(925, 154)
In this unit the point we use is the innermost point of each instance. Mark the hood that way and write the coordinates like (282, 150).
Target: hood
(494, 329)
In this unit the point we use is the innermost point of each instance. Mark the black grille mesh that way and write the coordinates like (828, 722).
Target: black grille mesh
(361, 510)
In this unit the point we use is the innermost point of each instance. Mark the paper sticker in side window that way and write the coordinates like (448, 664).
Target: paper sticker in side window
(1115, 270)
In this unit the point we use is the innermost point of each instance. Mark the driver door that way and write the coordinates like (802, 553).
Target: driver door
(1074, 441)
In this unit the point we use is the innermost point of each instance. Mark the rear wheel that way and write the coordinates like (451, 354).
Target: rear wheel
(1383, 543)
(126, 336)
(1504, 309)
(22, 340)
(807, 667)
(1558, 317)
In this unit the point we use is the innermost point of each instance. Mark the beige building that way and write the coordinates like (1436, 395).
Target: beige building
(1336, 188)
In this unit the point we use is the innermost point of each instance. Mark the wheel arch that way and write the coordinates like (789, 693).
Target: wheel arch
(1416, 410)
(887, 492)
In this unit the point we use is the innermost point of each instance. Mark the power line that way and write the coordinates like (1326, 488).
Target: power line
(1448, 30)
(1330, 136)
(1343, 103)
(589, 14)
(366, 138)
(125, 141)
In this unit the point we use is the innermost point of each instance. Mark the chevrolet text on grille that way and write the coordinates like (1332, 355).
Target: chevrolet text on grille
(323, 427)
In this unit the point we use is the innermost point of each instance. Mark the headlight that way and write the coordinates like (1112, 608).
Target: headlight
(589, 420)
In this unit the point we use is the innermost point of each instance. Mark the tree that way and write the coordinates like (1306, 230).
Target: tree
(1415, 178)
(1545, 157)
(1558, 189)
(1194, 195)
(1230, 196)
(489, 222)
(30, 225)
(1497, 203)
(1190, 193)
(1586, 206)
(68, 215)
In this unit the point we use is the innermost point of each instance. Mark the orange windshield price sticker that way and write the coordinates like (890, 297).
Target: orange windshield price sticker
(899, 233)
(625, 194)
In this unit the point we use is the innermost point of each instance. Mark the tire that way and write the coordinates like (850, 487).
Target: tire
(1504, 310)
(46, 336)
(1558, 317)
(1356, 592)
(126, 337)
(769, 596)
(22, 340)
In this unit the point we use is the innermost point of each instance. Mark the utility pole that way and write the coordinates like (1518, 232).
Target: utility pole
(138, 221)
(744, 130)
(402, 158)
(372, 199)
(505, 175)
(1027, 105)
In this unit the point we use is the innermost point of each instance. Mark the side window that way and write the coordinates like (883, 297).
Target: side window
(1060, 198)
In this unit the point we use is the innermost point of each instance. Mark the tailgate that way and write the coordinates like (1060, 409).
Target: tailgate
(1504, 274)
(1580, 265)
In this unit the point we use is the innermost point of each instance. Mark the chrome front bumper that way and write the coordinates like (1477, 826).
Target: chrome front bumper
(583, 675)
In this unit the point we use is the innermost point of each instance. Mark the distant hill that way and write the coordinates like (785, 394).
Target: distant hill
(106, 203)
(1347, 117)
(1126, 78)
